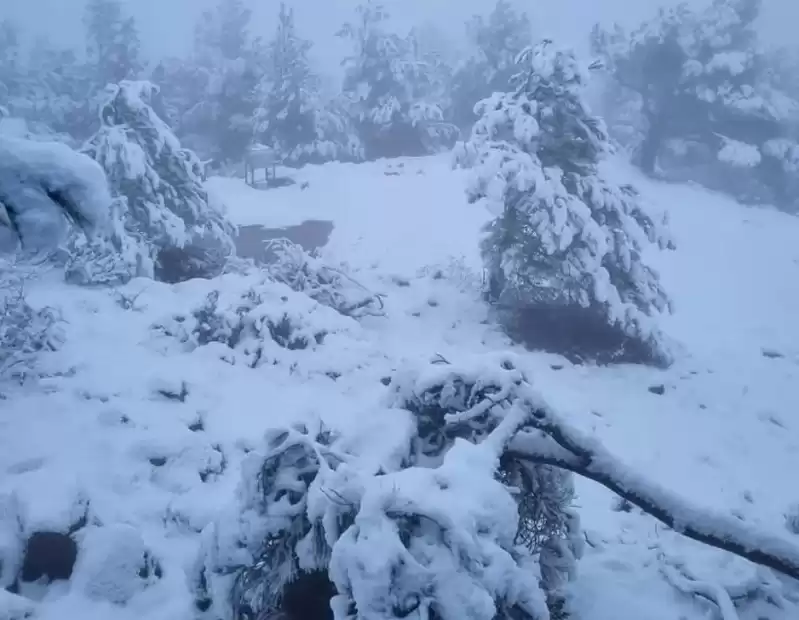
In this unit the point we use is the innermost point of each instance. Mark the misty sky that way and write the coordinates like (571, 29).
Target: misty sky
(166, 25)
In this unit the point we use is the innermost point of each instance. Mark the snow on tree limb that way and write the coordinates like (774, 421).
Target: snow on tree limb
(42, 184)
(550, 440)
(587, 457)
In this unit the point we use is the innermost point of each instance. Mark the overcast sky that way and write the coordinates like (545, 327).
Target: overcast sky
(166, 25)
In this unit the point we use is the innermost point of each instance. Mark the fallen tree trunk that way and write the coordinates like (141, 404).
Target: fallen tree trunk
(557, 443)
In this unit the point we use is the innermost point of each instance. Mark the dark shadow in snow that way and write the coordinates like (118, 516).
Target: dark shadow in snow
(310, 235)
(273, 183)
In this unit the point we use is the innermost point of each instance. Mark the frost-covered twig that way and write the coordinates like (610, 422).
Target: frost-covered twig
(325, 284)
(710, 591)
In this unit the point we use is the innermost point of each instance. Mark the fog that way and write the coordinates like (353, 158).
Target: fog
(166, 25)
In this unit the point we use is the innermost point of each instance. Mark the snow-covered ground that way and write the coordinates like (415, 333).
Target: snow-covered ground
(112, 435)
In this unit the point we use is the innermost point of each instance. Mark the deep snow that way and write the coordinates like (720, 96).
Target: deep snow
(99, 438)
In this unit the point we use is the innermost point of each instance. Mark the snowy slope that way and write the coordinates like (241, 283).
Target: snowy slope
(113, 436)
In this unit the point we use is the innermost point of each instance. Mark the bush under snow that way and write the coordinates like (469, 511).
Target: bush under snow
(323, 283)
(255, 322)
(447, 524)
(25, 331)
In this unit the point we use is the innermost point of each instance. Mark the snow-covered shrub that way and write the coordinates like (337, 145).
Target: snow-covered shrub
(455, 271)
(25, 332)
(256, 324)
(564, 251)
(114, 565)
(165, 227)
(455, 528)
(452, 402)
(327, 285)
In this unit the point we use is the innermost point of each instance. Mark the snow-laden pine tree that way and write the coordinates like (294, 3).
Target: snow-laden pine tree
(710, 107)
(292, 116)
(59, 93)
(494, 43)
(392, 90)
(564, 252)
(165, 225)
(229, 63)
(112, 42)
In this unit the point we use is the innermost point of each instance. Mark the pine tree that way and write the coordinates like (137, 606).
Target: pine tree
(563, 254)
(62, 91)
(495, 42)
(166, 225)
(293, 117)
(285, 117)
(390, 89)
(709, 102)
(112, 42)
(229, 62)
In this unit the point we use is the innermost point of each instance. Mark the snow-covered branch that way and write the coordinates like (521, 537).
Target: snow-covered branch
(586, 457)
(45, 184)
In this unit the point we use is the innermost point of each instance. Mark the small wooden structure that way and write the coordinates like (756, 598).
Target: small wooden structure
(257, 157)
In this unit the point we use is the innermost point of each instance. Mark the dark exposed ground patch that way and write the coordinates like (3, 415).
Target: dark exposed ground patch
(310, 235)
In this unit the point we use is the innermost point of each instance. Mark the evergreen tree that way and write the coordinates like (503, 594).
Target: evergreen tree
(112, 42)
(495, 43)
(182, 88)
(563, 253)
(166, 226)
(285, 117)
(391, 89)
(229, 63)
(708, 100)
(60, 88)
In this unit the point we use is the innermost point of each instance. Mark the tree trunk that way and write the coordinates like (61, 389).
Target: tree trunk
(650, 147)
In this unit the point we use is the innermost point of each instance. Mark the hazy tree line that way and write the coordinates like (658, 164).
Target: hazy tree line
(400, 94)
(691, 93)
